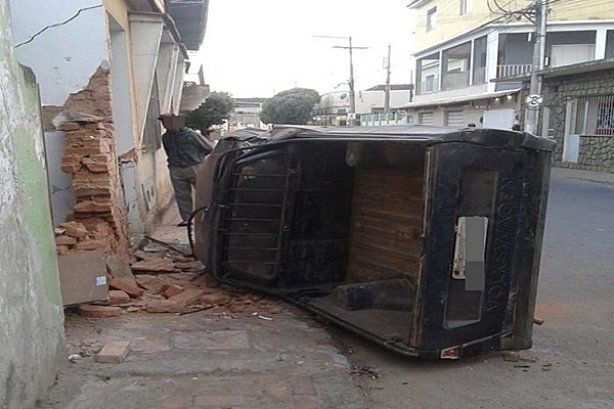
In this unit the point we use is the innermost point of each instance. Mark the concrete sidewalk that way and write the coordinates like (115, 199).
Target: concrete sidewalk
(598, 177)
(205, 360)
(267, 355)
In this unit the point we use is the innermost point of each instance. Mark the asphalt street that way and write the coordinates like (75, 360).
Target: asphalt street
(571, 364)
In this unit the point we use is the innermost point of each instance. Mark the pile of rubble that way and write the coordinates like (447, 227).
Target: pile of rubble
(162, 280)
(74, 236)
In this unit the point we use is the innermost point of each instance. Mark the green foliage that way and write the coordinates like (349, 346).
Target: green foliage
(211, 112)
(292, 107)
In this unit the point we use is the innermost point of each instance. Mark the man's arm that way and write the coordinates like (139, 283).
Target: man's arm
(201, 142)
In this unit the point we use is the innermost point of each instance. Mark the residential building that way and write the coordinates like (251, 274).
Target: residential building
(334, 107)
(107, 69)
(31, 316)
(195, 91)
(246, 114)
(578, 112)
(462, 45)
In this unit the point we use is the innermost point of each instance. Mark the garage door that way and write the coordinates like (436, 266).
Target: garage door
(454, 119)
(425, 118)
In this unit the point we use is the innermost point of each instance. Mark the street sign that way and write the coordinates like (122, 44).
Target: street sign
(534, 100)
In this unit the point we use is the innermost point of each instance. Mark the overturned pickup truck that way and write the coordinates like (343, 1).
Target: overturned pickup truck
(424, 240)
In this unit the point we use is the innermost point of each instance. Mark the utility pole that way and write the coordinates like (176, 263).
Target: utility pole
(387, 97)
(351, 48)
(539, 55)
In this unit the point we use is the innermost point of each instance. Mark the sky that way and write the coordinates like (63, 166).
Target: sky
(256, 48)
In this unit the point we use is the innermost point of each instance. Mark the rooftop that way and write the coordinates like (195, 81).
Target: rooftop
(393, 87)
(461, 99)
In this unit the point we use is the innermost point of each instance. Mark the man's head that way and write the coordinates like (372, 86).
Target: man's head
(169, 122)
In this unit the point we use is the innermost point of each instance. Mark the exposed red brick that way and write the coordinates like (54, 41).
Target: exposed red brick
(207, 281)
(126, 286)
(96, 167)
(94, 125)
(90, 157)
(188, 297)
(101, 191)
(118, 297)
(74, 229)
(172, 290)
(81, 150)
(90, 245)
(164, 306)
(218, 298)
(99, 311)
(68, 126)
(154, 264)
(72, 159)
(113, 352)
(92, 206)
(65, 241)
(72, 169)
(190, 265)
(151, 283)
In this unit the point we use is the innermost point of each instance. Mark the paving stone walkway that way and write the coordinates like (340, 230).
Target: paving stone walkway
(209, 359)
(204, 361)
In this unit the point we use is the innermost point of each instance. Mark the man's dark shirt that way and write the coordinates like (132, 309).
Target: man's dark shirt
(185, 148)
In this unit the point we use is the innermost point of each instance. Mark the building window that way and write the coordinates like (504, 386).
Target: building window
(609, 44)
(427, 74)
(479, 60)
(594, 116)
(456, 63)
(570, 47)
(431, 19)
(464, 7)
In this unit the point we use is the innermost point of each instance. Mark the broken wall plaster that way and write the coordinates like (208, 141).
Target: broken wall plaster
(64, 57)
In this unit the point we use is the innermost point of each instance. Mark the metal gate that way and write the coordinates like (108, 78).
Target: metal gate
(455, 119)
(425, 118)
(255, 218)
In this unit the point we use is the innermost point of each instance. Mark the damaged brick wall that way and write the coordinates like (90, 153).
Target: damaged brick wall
(90, 157)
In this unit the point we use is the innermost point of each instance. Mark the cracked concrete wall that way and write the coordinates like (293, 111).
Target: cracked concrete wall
(65, 56)
(31, 317)
(63, 59)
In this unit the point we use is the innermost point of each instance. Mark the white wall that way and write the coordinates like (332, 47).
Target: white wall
(471, 114)
(366, 100)
(63, 58)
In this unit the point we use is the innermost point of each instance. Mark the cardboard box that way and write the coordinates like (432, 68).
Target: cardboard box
(83, 277)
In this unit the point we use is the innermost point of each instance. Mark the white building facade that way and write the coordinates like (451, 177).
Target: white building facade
(130, 55)
(459, 81)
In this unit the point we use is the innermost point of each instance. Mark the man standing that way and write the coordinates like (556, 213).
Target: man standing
(185, 150)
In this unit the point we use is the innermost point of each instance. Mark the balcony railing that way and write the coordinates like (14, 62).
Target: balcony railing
(393, 118)
(513, 70)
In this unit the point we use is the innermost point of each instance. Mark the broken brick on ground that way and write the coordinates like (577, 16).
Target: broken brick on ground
(183, 288)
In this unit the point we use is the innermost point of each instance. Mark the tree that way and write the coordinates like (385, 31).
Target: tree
(292, 107)
(211, 112)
